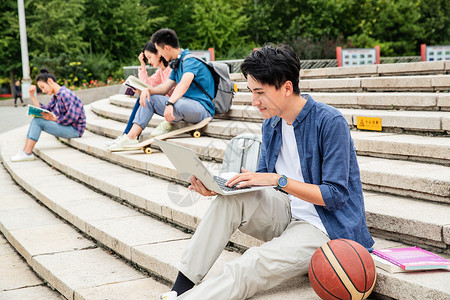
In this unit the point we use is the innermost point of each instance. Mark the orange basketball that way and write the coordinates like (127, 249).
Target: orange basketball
(342, 269)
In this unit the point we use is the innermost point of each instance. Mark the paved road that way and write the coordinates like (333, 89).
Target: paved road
(12, 117)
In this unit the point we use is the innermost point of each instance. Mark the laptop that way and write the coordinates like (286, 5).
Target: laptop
(186, 161)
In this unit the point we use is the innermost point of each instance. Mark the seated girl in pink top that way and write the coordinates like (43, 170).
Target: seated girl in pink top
(150, 54)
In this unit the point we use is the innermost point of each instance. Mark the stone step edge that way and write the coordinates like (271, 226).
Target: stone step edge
(87, 227)
(21, 282)
(396, 83)
(404, 192)
(426, 239)
(391, 69)
(434, 122)
(133, 287)
(162, 270)
(370, 146)
(435, 242)
(385, 278)
(68, 288)
(373, 100)
(219, 128)
(397, 101)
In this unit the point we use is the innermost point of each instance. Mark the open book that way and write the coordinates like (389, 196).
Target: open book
(409, 259)
(36, 111)
(135, 83)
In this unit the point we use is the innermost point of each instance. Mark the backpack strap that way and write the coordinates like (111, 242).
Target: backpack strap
(250, 157)
(195, 82)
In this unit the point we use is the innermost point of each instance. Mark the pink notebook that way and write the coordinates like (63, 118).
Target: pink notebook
(413, 258)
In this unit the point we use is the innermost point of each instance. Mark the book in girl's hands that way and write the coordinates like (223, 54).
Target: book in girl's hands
(413, 258)
(36, 111)
(135, 83)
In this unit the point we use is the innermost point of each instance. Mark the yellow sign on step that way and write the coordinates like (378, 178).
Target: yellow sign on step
(368, 123)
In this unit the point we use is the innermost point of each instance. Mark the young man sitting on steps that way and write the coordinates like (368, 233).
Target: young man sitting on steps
(308, 153)
(187, 102)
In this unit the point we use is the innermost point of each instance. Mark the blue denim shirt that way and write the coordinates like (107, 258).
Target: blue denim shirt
(328, 159)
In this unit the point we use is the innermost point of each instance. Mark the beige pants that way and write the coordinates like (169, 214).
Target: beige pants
(264, 214)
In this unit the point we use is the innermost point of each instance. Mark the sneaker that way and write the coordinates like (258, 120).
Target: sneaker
(163, 127)
(22, 156)
(113, 141)
(172, 295)
(119, 145)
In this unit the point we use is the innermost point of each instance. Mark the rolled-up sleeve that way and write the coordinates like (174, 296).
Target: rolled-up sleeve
(336, 162)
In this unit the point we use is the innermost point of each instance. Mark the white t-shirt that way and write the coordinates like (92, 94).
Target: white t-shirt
(288, 163)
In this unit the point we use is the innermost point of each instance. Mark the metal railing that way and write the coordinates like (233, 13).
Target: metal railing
(235, 64)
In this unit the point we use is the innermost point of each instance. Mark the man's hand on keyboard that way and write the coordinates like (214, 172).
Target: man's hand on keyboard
(197, 185)
(247, 178)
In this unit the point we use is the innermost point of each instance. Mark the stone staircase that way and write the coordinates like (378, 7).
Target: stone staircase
(95, 224)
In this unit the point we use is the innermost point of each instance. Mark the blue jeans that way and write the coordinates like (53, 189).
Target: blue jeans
(132, 116)
(185, 109)
(38, 125)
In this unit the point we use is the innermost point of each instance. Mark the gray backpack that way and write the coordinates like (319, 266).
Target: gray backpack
(242, 151)
(223, 86)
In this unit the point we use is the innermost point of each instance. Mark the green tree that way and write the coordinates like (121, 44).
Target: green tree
(220, 25)
(55, 26)
(119, 28)
(10, 62)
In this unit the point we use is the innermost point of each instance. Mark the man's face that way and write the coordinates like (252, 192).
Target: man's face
(266, 98)
(164, 51)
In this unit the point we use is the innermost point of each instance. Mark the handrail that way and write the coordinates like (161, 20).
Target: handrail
(326, 63)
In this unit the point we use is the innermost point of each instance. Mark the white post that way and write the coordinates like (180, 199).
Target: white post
(26, 80)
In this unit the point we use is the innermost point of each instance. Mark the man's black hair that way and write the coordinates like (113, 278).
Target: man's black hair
(165, 37)
(151, 47)
(273, 65)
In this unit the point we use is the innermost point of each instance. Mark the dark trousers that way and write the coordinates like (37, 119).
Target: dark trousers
(15, 99)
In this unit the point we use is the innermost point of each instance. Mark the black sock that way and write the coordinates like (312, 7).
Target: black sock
(182, 284)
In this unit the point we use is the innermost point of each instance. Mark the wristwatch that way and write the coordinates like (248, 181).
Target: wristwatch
(169, 103)
(282, 182)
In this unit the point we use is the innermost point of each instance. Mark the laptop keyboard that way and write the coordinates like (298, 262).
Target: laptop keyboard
(221, 182)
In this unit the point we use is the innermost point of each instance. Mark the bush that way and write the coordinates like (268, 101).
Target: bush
(82, 70)
(322, 48)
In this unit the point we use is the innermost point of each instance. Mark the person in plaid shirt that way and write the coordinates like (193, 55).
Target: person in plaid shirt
(67, 118)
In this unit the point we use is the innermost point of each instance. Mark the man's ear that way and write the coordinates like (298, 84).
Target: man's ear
(288, 87)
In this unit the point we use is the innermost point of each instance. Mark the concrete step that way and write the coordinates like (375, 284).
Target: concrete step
(378, 144)
(217, 128)
(70, 263)
(122, 183)
(414, 68)
(150, 244)
(428, 182)
(373, 100)
(436, 122)
(428, 83)
(99, 219)
(18, 281)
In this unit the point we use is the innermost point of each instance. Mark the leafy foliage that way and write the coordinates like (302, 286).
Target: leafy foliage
(104, 35)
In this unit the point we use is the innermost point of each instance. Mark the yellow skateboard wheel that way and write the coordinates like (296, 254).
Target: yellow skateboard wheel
(196, 134)
(147, 150)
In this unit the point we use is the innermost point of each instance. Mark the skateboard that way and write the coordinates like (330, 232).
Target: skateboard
(194, 129)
